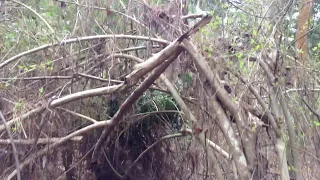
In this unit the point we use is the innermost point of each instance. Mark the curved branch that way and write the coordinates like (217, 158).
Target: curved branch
(75, 40)
(80, 115)
(86, 94)
(213, 146)
(170, 136)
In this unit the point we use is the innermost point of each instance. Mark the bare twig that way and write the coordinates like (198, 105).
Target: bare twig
(311, 109)
(80, 115)
(111, 166)
(44, 150)
(15, 154)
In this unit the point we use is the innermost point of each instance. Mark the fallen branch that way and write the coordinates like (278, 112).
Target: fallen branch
(86, 94)
(40, 141)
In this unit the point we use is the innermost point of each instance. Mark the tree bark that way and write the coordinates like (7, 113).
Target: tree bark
(303, 25)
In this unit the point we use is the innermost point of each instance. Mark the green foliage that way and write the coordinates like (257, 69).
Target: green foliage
(19, 106)
(188, 78)
(314, 36)
(28, 67)
(153, 101)
(47, 65)
(316, 123)
(315, 51)
(41, 90)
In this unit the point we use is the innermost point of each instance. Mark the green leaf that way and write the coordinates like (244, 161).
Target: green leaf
(302, 135)
(49, 14)
(254, 33)
(229, 20)
(241, 63)
(234, 99)
(188, 78)
(251, 41)
(314, 49)
(257, 47)
(316, 123)
(240, 55)
(19, 106)
(41, 90)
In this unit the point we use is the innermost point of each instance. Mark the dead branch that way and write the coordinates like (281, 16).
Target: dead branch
(311, 109)
(80, 39)
(86, 94)
(80, 115)
(40, 141)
